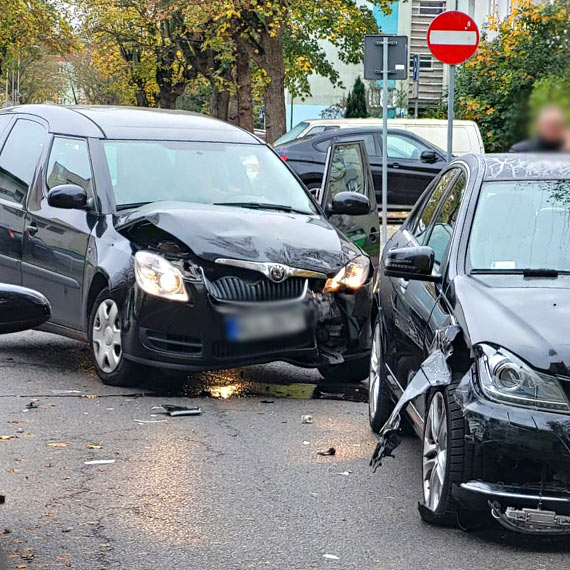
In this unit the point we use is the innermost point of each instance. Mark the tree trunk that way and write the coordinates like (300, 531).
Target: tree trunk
(243, 87)
(275, 114)
(219, 103)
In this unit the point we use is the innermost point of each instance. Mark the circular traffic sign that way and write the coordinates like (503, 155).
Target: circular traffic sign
(453, 37)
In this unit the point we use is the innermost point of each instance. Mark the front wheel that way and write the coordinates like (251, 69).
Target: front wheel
(442, 458)
(106, 344)
(350, 371)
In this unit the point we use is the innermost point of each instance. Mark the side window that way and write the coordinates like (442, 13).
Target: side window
(400, 146)
(19, 158)
(368, 139)
(345, 171)
(426, 215)
(442, 231)
(69, 164)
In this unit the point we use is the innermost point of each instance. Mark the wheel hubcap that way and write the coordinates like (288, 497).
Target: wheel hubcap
(374, 378)
(107, 336)
(435, 452)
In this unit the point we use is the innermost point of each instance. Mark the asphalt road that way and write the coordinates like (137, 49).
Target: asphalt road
(239, 487)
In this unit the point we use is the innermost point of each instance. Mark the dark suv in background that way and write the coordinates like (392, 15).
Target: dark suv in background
(412, 161)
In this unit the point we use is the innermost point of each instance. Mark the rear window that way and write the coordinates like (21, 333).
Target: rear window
(293, 134)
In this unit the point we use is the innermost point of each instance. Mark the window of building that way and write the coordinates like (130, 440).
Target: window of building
(432, 7)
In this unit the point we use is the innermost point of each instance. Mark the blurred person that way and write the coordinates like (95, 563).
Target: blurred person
(551, 132)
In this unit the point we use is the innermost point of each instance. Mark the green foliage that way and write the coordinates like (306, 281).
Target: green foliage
(551, 90)
(356, 102)
(494, 87)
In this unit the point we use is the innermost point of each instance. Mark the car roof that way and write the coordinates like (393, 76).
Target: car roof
(134, 123)
(526, 166)
(370, 121)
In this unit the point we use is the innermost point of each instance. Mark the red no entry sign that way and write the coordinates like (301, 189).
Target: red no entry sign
(453, 37)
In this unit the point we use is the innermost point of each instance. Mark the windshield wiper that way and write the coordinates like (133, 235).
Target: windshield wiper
(262, 206)
(132, 205)
(526, 272)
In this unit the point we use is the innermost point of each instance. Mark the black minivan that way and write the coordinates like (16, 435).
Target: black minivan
(175, 241)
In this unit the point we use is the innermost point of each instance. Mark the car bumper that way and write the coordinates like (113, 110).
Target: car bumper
(515, 458)
(194, 335)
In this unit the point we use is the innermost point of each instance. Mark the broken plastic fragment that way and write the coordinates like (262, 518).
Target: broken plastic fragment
(307, 419)
(329, 451)
(99, 462)
(173, 410)
(330, 557)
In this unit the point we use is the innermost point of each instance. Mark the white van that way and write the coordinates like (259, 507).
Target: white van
(466, 135)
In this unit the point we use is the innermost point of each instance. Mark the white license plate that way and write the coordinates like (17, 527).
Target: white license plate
(265, 325)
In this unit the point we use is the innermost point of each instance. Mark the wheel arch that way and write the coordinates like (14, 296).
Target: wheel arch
(99, 282)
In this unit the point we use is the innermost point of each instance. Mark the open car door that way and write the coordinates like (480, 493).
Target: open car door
(347, 169)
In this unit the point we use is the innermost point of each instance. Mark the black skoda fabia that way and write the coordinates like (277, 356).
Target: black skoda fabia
(175, 241)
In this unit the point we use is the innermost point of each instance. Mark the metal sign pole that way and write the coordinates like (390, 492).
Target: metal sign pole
(385, 44)
(450, 112)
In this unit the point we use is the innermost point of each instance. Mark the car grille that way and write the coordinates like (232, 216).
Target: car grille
(235, 289)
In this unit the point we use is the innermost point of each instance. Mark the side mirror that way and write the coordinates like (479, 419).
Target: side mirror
(21, 309)
(350, 203)
(68, 196)
(411, 263)
(428, 156)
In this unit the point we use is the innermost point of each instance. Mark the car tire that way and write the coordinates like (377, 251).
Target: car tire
(105, 344)
(350, 371)
(380, 404)
(443, 457)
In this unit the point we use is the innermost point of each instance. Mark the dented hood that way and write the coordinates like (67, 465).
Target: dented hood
(211, 232)
(529, 317)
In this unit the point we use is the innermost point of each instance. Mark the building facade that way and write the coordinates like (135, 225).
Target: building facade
(410, 18)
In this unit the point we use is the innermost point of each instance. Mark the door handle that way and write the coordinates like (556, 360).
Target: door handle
(32, 229)
(394, 165)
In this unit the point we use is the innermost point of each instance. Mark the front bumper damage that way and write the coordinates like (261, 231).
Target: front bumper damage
(517, 460)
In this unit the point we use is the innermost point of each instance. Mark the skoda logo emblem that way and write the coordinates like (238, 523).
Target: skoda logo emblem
(277, 273)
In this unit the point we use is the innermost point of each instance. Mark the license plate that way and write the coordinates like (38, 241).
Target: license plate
(265, 325)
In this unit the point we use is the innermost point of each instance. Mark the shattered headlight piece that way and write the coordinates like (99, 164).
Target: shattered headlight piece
(352, 275)
(506, 378)
(157, 276)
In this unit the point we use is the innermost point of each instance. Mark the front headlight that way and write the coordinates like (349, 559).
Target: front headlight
(352, 275)
(157, 276)
(506, 378)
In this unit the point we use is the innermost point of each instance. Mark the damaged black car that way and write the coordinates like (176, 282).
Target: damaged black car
(471, 342)
(175, 242)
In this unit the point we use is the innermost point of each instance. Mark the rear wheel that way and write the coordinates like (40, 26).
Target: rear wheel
(443, 457)
(380, 404)
(106, 345)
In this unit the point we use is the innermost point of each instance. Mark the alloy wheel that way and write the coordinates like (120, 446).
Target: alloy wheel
(435, 452)
(106, 336)
(374, 377)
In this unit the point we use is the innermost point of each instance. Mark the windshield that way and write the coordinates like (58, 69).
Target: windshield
(521, 225)
(294, 133)
(204, 173)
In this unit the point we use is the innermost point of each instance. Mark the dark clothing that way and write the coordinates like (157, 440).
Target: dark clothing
(537, 145)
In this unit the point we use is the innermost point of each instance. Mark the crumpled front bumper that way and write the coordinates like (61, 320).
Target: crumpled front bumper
(517, 463)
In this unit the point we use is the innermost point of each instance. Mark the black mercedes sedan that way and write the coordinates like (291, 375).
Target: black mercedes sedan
(412, 161)
(471, 341)
(177, 242)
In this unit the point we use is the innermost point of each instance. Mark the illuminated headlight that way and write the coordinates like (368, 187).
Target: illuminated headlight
(505, 378)
(352, 275)
(157, 276)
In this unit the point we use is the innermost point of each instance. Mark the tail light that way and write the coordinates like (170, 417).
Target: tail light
(283, 157)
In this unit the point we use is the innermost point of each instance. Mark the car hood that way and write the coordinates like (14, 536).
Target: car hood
(530, 320)
(212, 232)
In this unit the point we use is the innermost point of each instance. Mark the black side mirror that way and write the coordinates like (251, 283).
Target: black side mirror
(68, 196)
(411, 263)
(428, 156)
(21, 309)
(350, 203)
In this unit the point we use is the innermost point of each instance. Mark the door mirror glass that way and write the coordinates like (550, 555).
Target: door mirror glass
(21, 309)
(350, 203)
(411, 263)
(428, 156)
(68, 196)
